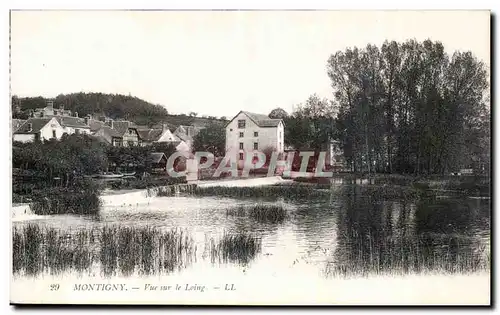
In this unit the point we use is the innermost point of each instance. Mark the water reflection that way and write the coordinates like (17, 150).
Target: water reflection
(353, 230)
(398, 237)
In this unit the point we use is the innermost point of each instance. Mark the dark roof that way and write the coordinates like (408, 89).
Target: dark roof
(96, 124)
(260, 119)
(190, 130)
(68, 121)
(111, 132)
(157, 156)
(183, 136)
(16, 123)
(36, 125)
(186, 133)
(149, 134)
(122, 126)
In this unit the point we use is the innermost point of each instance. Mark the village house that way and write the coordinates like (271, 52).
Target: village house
(248, 133)
(127, 131)
(187, 134)
(72, 125)
(107, 135)
(49, 110)
(148, 136)
(15, 124)
(114, 132)
(44, 128)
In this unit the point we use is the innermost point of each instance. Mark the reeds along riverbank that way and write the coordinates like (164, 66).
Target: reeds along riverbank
(171, 190)
(240, 248)
(362, 255)
(116, 249)
(262, 213)
(288, 191)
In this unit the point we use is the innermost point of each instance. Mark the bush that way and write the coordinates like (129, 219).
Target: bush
(145, 183)
(261, 213)
(81, 198)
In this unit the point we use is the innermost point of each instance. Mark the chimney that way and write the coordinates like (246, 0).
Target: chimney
(30, 127)
(50, 103)
(87, 120)
(76, 114)
(164, 127)
(42, 113)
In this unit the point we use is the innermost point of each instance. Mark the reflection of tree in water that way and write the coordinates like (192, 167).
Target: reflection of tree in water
(314, 226)
(396, 237)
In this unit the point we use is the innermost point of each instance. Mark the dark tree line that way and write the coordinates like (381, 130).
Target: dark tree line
(410, 108)
(111, 105)
(115, 106)
(311, 124)
(211, 139)
(399, 108)
(77, 155)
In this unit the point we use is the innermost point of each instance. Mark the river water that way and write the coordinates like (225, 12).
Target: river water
(348, 236)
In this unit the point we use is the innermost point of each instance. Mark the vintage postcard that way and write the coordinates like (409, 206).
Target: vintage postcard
(250, 157)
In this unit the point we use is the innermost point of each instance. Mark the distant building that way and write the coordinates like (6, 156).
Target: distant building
(127, 131)
(49, 110)
(148, 136)
(73, 125)
(158, 162)
(107, 135)
(33, 129)
(187, 134)
(16, 123)
(248, 133)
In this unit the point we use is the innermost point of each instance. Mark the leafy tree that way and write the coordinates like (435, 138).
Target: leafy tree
(278, 113)
(408, 107)
(211, 139)
(311, 125)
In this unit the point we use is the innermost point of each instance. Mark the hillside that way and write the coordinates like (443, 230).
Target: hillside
(116, 106)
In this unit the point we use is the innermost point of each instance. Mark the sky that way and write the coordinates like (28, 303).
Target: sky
(214, 62)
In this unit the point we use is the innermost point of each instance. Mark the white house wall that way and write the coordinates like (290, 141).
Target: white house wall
(166, 136)
(24, 137)
(267, 136)
(183, 147)
(46, 131)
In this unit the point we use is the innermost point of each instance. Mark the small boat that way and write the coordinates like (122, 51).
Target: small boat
(128, 174)
(110, 175)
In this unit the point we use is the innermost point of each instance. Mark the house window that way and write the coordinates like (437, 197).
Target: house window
(255, 146)
(241, 123)
(241, 145)
(77, 131)
(280, 134)
(255, 134)
(279, 146)
(241, 156)
(131, 143)
(241, 134)
(54, 134)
